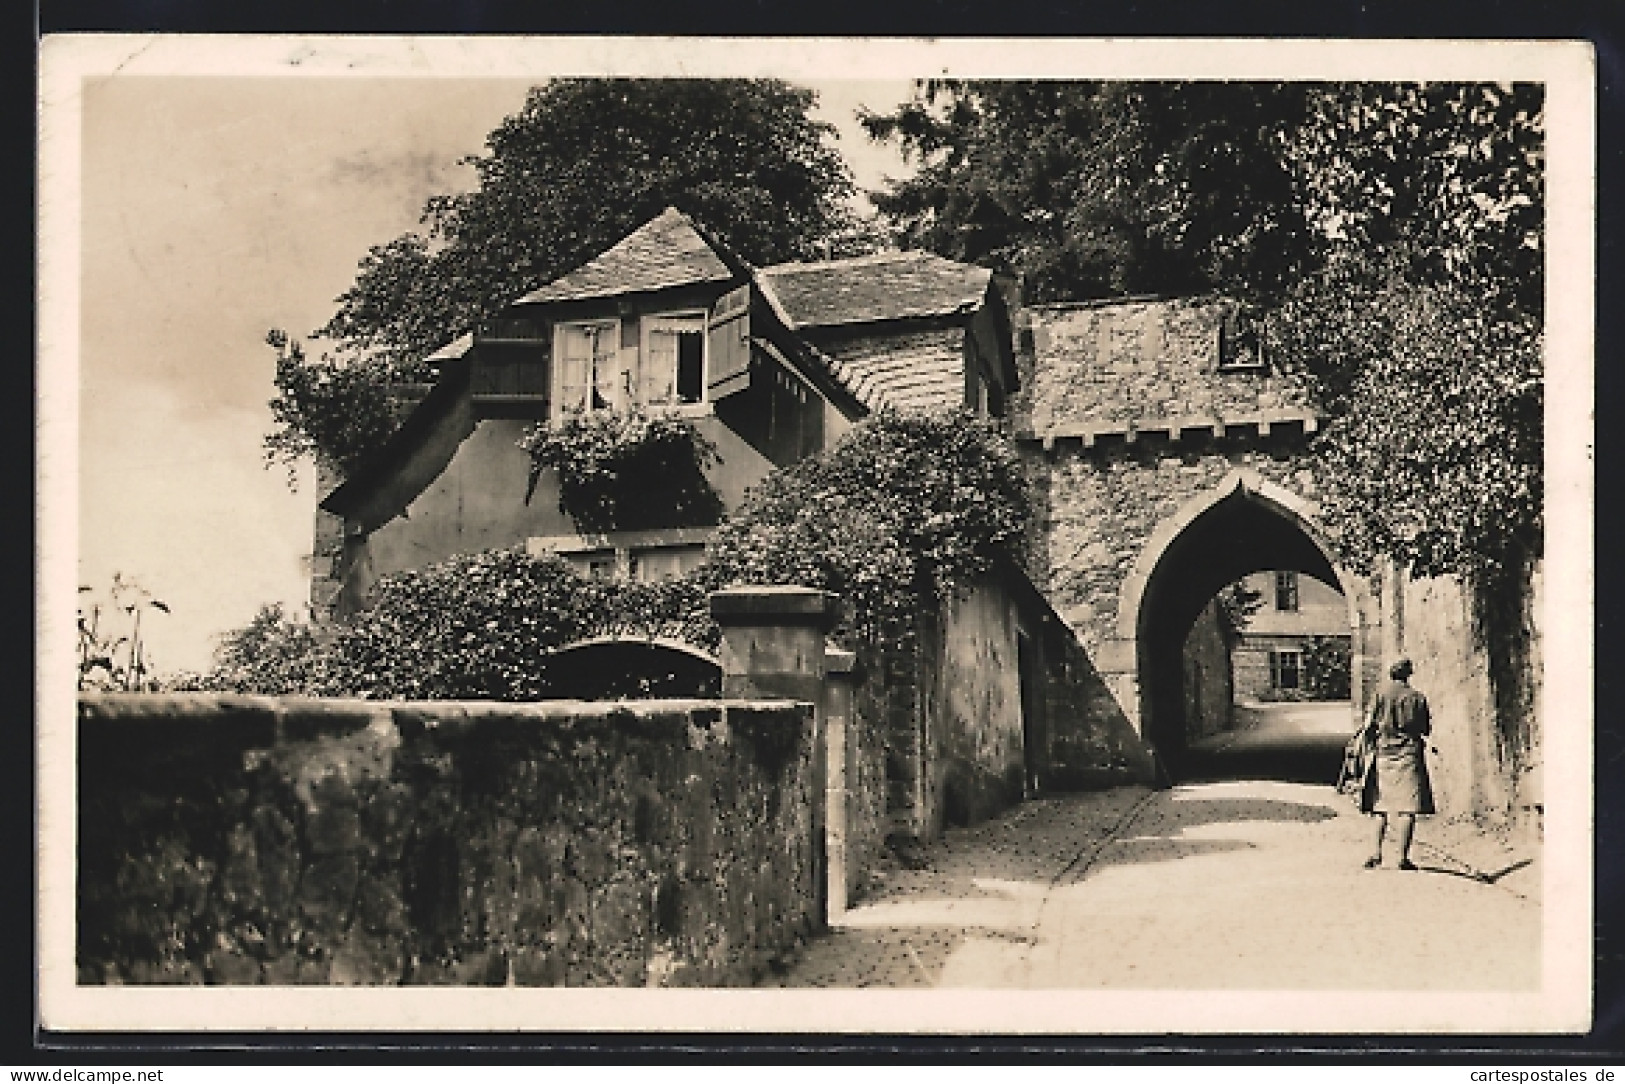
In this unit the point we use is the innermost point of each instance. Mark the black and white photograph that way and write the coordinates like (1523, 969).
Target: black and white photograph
(822, 535)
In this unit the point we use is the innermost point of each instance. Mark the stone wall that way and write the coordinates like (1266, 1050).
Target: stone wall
(1110, 366)
(1209, 691)
(975, 745)
(1100, 508)
(856, 799)
(1085, 739)
(987, 741)
(245, 840)
(1484, 692)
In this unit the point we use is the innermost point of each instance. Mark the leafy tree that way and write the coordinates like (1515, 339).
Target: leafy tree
(328, 409)
(1422, 328)
(1093, 189)
(1449, 174)
(1392, 233)
(582, 164)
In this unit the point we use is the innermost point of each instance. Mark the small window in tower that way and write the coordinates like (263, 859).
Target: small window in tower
(1240, 347)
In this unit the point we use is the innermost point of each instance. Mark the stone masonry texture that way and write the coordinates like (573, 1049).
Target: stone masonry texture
(1100, 508)
(248, 840)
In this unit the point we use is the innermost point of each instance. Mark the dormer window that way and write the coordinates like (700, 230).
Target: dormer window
(600, 367)
(589, 372)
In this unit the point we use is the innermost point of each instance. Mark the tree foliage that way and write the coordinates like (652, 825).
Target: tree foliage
(1392, 233)
(272, 655)
(1421, 329)
(1327, 667)
(581, 165)
(326, 408)
(1093, 189)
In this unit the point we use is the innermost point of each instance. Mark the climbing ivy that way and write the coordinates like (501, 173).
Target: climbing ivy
(904, 511)
(626, 471)
(901, 513)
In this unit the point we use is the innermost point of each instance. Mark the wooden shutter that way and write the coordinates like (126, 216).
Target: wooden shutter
(728, 345)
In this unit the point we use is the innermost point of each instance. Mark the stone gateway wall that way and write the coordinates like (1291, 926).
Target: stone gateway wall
(247, 840)
(1484, 697)
(1100, 509)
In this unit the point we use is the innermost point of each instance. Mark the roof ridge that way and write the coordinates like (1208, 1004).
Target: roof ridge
(890, 256)
(596, 277)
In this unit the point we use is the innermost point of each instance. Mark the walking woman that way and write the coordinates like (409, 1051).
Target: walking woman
(1398, 784)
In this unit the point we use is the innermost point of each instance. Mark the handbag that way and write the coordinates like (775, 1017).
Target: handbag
(1358, 757)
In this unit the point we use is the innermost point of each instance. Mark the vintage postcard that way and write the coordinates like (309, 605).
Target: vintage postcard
(1073, 537)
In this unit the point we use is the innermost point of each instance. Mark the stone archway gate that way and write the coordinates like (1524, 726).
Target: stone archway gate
(1169, 458)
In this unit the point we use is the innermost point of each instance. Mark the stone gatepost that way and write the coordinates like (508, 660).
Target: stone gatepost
(841, 675)
(773, 649)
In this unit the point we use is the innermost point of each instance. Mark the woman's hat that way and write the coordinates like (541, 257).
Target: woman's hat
(1401, 669)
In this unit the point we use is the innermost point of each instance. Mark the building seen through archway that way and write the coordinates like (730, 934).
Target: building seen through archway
(1246, 646)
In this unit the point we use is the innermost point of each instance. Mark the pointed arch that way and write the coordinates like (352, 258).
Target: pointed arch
(1212, 538)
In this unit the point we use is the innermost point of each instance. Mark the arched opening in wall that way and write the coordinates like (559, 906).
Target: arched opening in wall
(1205, 704)
(614, 667)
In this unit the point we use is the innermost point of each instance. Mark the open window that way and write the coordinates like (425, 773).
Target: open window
(589, 374)
(601, 366)
(673, 360)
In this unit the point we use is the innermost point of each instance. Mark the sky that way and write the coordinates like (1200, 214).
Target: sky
(214, 208)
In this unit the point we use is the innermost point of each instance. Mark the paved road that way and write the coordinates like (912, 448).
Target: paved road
(1240, 884)
(1300, 743)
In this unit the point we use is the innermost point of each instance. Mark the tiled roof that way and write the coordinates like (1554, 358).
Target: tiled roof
(922, 371)
(865, 289)
(664, 252)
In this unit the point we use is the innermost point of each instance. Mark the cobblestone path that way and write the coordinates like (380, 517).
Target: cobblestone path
(1239, 885)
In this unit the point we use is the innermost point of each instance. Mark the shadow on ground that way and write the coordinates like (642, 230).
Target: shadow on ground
(1299, 758)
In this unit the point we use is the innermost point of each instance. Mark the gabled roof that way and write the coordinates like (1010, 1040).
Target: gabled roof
(869, 289)
(664, 252)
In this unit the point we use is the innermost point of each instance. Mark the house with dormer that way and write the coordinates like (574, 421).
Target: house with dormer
(769, 364)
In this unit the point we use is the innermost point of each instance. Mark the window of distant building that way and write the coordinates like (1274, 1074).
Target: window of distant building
(1284, 669)
(1286, 591)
